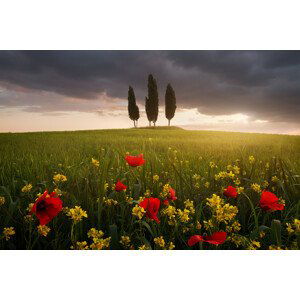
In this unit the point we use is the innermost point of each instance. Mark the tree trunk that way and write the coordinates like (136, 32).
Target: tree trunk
(154, 123)
(169, 122)
(149, 123)
(134, 123)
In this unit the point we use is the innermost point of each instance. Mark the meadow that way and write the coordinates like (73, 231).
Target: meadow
(187, 171)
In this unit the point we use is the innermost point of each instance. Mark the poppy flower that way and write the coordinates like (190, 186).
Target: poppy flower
(46, 207)
(270, 202)
(171, 196)
(217, 238)
(230, 192)
(120, 186)
(151, 206)
(135, 161)
(193, 240)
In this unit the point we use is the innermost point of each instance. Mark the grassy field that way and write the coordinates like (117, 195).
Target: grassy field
(196, 164)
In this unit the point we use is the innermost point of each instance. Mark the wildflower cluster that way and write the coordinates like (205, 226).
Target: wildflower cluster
(221, 213)
(59, 178)
(26, 188)
(205, 220)
(76, 214)
(43, 230)
(8, 232)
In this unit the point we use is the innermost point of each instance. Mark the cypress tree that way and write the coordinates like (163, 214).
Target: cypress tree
(148, 110)
(133, 110)
(170, 103)
(136, 114)
(152, 100)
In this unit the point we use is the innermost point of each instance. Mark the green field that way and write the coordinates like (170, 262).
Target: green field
(186, 160)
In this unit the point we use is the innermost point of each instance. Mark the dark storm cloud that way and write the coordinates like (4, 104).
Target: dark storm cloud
(263, 84)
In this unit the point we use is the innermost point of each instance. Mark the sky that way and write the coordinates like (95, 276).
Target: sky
(248, 91)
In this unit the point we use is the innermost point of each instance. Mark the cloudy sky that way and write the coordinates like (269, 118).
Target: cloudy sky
(252, 91)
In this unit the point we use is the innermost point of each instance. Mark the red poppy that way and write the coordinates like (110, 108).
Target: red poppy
(151, 206)
(46, 207)
(120, 186)
(269, 201)
(135, 161)
(171, 196)
(216, 239)
(230, 192)
(193, 240)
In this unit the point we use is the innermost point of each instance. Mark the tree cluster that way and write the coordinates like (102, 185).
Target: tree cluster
(152, 103)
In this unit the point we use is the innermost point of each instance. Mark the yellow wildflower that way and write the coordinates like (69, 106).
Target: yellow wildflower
(147, 194)
(238, 240)
(274, 179)
(77, 213)
(143, 247)
(105, 186)
(28, 218)
(155, 177)
(237, 181)
(8, 232)
(94, 233)
(256, 187)
(225, 213)
(125, 241)
(59, 178)
(254, 245)
(110, 202)
(208, 224)
(129, 199)
(240, 190)
(100, 244)
(189, 205)
(159, 241)
(234, 227)
(170, 211)
(183, 215)
(171, 246)
(251, 159)
(222, 212)
(57, 191)
(2, 200)
(297, 225)
(214, 201)
(95, 162)
(262, 234)
(207, 184)
(196, 177)
(43, 230)
(81, 246)
(138, 211)
(265, 184)
(26, 188)
(236, 170)
(212, 165)
(165, 191)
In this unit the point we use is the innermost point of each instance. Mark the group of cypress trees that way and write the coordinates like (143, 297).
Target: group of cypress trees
(152, 103)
